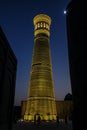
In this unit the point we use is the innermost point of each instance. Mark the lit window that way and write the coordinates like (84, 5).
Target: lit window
(38, 25)
(41, 25)
(44, 25)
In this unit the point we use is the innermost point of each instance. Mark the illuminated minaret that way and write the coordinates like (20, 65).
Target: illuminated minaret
(41, 100)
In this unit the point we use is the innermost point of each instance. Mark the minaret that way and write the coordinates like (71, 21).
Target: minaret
(41, 100)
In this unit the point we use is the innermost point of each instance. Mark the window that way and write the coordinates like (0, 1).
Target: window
(38, 25)
(41, 25)
(44, 25)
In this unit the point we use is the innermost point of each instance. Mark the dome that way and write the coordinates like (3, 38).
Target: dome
(68, 97)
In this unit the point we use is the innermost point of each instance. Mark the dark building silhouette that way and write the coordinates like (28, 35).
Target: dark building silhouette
(23, 108)
(76, 20)
(68, 97)
(8, 67)
(17, 113)
(68, 116)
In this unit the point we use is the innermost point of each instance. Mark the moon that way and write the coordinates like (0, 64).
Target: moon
(64, 11)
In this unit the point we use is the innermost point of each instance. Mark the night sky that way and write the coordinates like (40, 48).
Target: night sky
(16, 20)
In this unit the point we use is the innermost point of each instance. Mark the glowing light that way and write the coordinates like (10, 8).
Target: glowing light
(64, 11)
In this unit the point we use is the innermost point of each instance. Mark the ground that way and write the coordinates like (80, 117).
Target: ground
(42, 126)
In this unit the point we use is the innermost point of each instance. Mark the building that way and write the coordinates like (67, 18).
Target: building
(63, 108)
(41, 100)
(68, 96)
(8, 68)
(76, 22)
(17, 113)
(23, 108)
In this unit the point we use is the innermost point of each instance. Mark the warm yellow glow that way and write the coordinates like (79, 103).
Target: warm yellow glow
(42, 24)
(44, 117)
(42, 17)
(38, 25)
(47, 26)
(42, 31)
(41, 101)
(35, 26)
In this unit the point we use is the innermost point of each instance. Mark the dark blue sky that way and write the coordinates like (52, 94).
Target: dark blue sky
(16, 19)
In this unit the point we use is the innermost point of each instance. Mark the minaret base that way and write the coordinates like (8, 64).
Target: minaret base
(42, 117)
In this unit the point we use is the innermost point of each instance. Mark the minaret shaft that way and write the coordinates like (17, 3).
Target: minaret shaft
(41, 99)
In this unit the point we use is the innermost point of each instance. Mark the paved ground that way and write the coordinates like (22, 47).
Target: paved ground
(42, 126)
